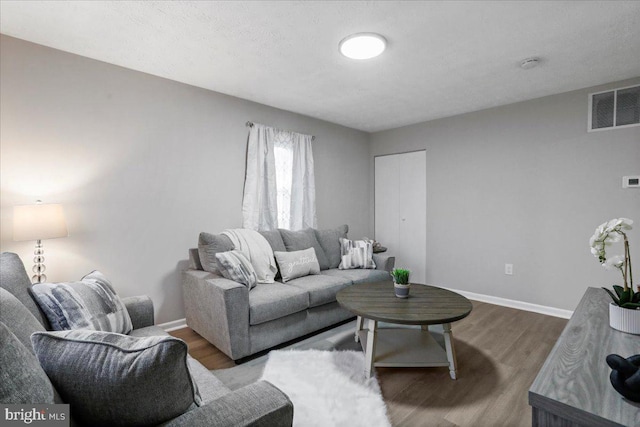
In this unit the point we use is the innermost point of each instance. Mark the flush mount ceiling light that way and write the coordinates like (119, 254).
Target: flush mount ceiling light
(362, 45)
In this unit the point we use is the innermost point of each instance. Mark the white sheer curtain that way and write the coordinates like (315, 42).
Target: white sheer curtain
(259, 205)
(303, 185)
(279, 187)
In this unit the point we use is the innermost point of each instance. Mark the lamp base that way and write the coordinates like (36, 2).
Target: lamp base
(39, 267)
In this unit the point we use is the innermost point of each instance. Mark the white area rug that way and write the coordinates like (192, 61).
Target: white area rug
(327, 388)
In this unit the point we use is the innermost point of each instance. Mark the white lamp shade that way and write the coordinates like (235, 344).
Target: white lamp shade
(38, 222)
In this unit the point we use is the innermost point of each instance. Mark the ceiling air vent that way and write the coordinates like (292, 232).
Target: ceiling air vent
(613, 109)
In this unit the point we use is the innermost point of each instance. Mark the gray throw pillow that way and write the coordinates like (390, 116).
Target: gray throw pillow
(91, 303)
(117, 380)
(304, 239)
(208, 246)
(356, 254)
(297, 264)
(330, 242)
(22, 380)
(235, 266)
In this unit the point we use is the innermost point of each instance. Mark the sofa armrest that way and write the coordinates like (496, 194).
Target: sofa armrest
(217, 309)
(260, 404)
(140, 310)
(384, 261)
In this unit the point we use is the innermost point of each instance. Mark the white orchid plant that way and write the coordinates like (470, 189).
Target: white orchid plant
(605, 235)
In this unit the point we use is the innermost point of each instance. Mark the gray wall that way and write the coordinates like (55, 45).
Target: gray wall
(142, 165)
(524, 184)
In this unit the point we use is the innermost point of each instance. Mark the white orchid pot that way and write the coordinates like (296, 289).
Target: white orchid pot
(624, 319)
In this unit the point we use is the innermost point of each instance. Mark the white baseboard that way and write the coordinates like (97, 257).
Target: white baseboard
(520, 305)
(174, 325)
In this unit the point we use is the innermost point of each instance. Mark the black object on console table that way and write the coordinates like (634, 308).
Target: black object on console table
(572, 388)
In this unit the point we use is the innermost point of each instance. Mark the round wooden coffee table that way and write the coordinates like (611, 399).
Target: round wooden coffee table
(405, 347)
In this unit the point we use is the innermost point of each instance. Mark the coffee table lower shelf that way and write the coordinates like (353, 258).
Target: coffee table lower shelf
(411, 348)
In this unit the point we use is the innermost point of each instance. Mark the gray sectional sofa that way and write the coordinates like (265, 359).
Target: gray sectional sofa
(241, 322)
(24, 381)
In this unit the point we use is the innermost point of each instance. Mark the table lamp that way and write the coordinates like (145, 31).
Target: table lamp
(38, 222)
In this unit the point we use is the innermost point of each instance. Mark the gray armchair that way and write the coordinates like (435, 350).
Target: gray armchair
(259, 404)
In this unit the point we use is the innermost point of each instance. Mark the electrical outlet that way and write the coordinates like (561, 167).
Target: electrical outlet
(508, 269)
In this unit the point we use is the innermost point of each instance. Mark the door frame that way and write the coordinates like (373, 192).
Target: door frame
(425, 184)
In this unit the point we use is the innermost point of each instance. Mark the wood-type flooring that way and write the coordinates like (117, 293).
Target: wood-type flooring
(500, 351)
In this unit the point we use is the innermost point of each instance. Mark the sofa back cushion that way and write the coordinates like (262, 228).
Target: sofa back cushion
(112, 379)
(304, 239)
(22, 380)
(18, 319)
(330, 242)
(275, 240)
(14, 278)
(208, 246)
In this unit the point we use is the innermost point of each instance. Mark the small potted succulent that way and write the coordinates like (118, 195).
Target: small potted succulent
(624, 311)
(401, 283)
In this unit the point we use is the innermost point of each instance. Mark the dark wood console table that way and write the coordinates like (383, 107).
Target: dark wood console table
(573, 388)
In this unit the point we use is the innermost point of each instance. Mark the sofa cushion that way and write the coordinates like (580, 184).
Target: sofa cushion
(208, 246)
(330, 242)
(356, 254)
(275, 240)
(235, 266)
(22, 380)
(91, 303)
(297, 263)
(322, 289)
(269, 301)
(18, 319)
(14, 278)
(359, 275)
(114, 379)
(304, 239)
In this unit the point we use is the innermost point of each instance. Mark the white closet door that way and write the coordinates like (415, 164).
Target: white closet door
(400, 209)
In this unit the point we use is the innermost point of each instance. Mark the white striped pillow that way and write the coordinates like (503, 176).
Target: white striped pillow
(235, 266)
(356, 254)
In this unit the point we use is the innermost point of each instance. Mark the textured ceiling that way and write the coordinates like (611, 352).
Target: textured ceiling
(443, 58)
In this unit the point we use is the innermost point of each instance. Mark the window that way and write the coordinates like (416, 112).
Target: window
(279, 190)
(283, 153)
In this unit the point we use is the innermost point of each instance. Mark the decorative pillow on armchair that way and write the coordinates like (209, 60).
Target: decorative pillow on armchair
(117, 380)
(297, 264)
(356, 254)
(91, 303)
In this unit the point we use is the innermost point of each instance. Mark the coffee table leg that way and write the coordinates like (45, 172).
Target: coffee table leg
(359, 322)
(451, 351)
(370, 352)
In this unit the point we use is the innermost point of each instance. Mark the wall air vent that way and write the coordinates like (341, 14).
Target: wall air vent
(614, 109)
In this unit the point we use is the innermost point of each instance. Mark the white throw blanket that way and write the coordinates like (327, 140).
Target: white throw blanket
(257, 250)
